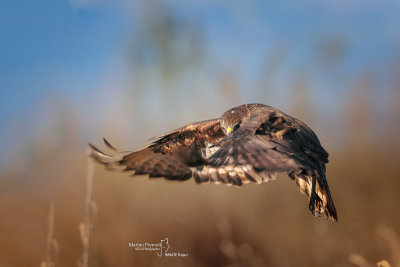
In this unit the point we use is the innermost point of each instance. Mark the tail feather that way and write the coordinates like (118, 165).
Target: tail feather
(323, 203)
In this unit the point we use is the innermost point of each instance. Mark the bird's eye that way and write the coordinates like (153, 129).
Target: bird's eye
(236, 127)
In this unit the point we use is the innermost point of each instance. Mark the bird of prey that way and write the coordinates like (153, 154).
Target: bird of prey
(248, 143)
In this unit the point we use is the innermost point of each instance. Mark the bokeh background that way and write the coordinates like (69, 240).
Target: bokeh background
(72, 72)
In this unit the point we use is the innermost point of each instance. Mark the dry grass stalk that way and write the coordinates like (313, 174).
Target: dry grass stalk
(237, 255)
(51, 244)
(390, 236)
(394, 243)
(359, 260)
(86, 227)
(383, 264)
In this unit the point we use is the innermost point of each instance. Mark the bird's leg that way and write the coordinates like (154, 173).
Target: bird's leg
(313, 197)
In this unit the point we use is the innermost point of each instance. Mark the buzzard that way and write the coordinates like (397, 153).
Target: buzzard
(249, 143)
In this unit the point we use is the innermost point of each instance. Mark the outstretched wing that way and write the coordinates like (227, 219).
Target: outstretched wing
(190, 143)
(271, 143)
(171, 155)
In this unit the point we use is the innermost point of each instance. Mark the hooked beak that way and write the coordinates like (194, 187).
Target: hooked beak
(229, 130)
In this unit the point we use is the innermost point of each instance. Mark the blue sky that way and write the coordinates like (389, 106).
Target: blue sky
(50, 45)
(76, 49)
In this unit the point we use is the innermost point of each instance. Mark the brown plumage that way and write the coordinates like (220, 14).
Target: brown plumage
(249, 143)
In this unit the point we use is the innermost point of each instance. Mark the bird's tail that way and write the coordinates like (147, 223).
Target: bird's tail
(321, 202)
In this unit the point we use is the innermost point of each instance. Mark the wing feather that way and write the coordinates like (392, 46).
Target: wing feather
(170, 156)
(272, 143)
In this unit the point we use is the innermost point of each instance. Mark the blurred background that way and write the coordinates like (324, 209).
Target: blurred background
(72, 72)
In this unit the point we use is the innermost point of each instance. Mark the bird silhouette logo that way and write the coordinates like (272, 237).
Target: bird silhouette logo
(164, 247)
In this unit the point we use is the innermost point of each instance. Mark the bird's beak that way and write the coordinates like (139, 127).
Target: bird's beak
(229, 130)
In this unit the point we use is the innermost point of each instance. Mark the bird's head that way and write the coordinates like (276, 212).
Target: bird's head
(232, 119)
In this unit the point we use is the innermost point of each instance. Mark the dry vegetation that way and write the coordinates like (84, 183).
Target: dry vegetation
(51, 244)
(267, 225)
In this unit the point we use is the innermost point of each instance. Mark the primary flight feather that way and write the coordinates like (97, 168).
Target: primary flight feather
(249, 143)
